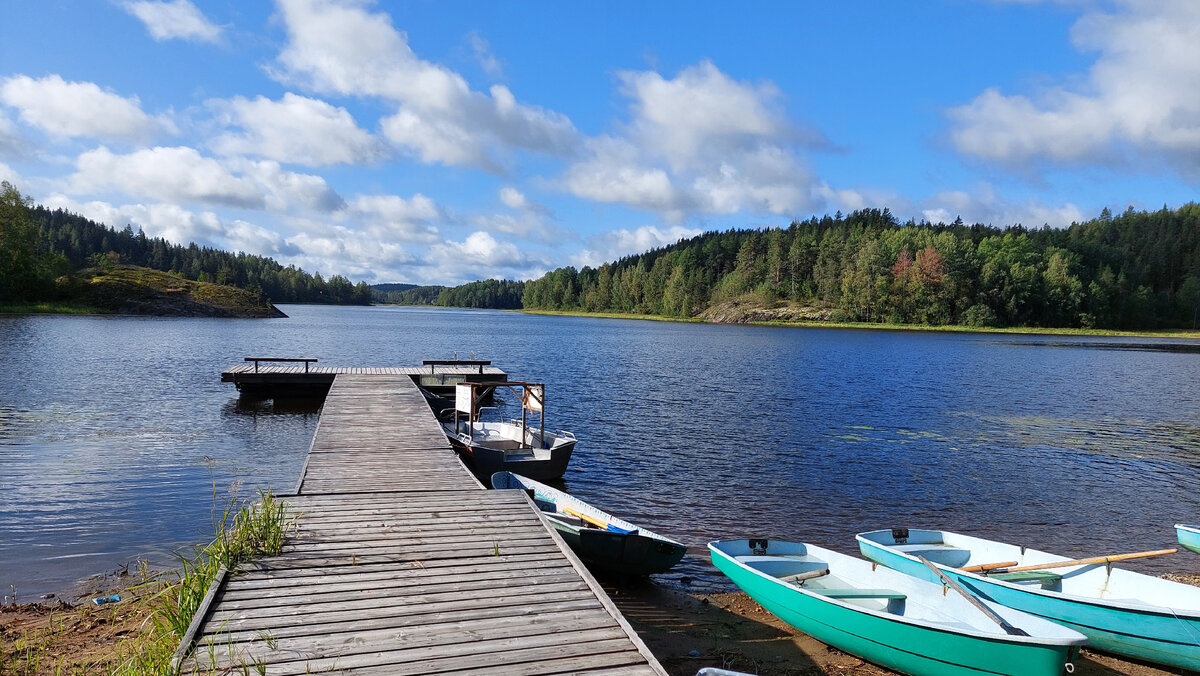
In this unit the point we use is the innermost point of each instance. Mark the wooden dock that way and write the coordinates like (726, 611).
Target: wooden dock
(302, 377)
(401, 563)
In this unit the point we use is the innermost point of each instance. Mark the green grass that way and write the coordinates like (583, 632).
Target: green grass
(242, 533)
(871, 326)
(50, 309)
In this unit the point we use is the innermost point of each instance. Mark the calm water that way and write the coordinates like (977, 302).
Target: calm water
(117, 437)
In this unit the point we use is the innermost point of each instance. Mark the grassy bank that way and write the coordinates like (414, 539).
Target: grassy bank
(49, 309)
(871, 326)
(132, 290)
(138, 634)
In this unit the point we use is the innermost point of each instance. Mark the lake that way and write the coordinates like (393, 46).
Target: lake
(117, 438)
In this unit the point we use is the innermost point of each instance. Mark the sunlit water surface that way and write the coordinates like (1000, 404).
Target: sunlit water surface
(117, 438)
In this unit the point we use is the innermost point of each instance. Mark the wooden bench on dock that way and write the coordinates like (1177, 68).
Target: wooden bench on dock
(432, 363)
(306, 360)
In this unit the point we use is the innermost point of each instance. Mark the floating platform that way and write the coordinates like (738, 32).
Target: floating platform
(401, 563)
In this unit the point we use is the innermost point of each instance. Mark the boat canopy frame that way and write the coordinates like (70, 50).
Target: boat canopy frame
(469, 395)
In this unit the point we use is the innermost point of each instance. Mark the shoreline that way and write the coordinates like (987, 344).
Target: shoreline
(684, 631)
(870, 326)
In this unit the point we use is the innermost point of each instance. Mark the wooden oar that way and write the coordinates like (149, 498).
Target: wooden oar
(584, 517)
(807, 575)
(1086, 562)
(987, 566)
(991, 614)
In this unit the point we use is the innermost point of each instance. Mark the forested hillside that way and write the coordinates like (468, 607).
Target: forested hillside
(1138, 270)
(405, 294)
(489, 293)
(37, 245)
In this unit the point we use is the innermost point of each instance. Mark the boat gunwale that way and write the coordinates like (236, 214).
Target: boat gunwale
(928, 625)
(1130, 605)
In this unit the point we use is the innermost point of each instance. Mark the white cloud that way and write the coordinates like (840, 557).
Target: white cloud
(284, 190)
(614, 244)
(482, 256)
(701, 141)
(984, 205)
(685, 117)
(295, 129)
(341, 250)
(178, 19)
(512, 198)
(168, 221)
(1137, 102)
(342, 48)
(183, 175)
(9, 174)
(69, 109)
(483, 54)
(391, 218)
(11, 143)
(614, 170)
(177, 174)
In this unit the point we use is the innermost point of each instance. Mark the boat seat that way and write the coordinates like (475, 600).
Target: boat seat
(1042, 576)
(952, 557)
(851, 593)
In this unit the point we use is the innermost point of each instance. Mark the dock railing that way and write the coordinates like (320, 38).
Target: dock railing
(306, 360)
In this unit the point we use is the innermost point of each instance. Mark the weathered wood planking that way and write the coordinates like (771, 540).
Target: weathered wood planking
(417, 583)
(377, 434)
(401, 564)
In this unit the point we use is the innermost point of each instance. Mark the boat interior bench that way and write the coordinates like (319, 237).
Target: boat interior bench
(953, 557)
(1043, 577)
(851, 593)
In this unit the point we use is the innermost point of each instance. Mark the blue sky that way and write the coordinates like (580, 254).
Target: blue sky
(441, 142)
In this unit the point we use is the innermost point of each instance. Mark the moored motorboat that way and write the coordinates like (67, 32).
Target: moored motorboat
(1188, 536)
(508, 445)
(1120, 611)
(889, 618)
(598, 538)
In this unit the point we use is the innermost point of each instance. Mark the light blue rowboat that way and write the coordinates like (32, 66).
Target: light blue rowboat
(1120, 611)
(889, 618)
(1189, 536)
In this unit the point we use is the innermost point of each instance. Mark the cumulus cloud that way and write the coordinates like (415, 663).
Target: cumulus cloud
(178, 19)
(1136, 103)
(344, 49)
(614, 244)
(700, 141)
(391, 218)
(615, 170)
(295, 129)
(183, 175)
(482, 256)
(349, 252)
(69, 109)
(984, 205)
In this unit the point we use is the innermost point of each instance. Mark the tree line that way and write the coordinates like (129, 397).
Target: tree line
(38, 245)
(1138, 270)
(487, 293)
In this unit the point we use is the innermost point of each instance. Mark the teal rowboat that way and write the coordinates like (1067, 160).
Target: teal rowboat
(1189, 536)
(598, 538)
(1120, 611)
(889, 618)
